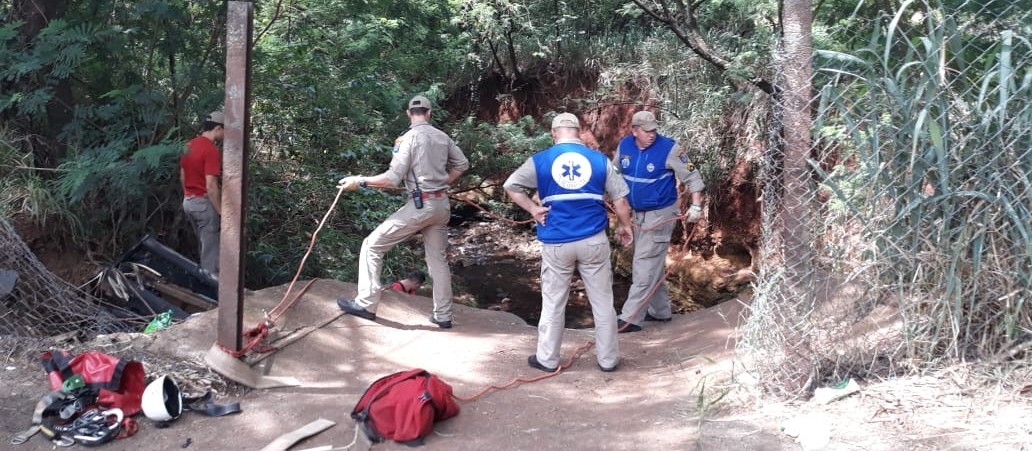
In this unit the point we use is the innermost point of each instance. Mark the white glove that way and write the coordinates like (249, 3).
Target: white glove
(350, 183)
(694, 213)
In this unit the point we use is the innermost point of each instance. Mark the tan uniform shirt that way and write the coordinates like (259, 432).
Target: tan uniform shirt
(678, 161)
(428, 154)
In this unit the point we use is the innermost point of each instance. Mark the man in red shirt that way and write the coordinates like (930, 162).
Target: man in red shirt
(411, 283)
(199, 171)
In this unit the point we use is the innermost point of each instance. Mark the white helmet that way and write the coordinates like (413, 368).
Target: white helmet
(162, 400)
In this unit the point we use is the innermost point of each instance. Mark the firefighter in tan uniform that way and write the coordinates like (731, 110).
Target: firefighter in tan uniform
(428, 161)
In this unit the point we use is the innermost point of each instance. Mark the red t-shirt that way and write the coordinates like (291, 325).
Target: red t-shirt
(398, 286)
(201, 159)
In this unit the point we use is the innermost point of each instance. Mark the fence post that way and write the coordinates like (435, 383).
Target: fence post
(239, 28)
(797, 297)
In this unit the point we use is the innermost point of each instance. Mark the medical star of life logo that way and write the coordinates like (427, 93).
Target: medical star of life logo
(571, 170)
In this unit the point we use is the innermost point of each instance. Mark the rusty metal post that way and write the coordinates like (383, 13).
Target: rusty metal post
(239, 28)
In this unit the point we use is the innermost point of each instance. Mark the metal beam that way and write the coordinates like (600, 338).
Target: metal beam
(239, 28)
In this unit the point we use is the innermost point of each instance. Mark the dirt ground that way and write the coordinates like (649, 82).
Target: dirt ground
(680, 385)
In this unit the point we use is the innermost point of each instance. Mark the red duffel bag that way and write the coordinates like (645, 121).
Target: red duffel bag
(119, 383)
(404, 407)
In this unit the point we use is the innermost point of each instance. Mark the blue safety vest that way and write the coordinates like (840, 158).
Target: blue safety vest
(571, 180)
(651, 183)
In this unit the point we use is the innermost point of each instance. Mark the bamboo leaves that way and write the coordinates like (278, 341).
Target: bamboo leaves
(944, 109)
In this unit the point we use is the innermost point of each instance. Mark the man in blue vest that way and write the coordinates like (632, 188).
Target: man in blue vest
(572, 181)
(650, 162)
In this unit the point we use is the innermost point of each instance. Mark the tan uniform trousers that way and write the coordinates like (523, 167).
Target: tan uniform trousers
(652, 230)
(590, 256)
(432, 222)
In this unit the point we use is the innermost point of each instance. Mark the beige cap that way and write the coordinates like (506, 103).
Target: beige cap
(419, 102)
(644, 119)
(565, 120)
(216, 117)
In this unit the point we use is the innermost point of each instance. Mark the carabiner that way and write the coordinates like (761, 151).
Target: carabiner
(63, 441)
(55, 436)
(101, 429)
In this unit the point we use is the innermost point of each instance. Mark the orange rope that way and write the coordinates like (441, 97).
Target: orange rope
(277, 311)
(569, 363)
(612, 210)
(256, 334)
(523, 380)
(253, 336)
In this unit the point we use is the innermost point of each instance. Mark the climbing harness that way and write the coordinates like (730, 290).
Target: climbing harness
(94, 427)
(37, 417)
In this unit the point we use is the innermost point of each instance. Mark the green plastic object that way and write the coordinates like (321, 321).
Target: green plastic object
(160, 321)
(73, 383)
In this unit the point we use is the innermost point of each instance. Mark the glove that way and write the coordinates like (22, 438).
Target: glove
(694, 213)
(350, 183)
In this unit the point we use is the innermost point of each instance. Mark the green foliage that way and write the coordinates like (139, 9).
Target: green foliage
(495, 151)
(330, 82)
(57, 52)
(693, 100)
(288, 201)
(340, 90)
(930, 126)
(23, 191)
(513, 37)
(115, 153)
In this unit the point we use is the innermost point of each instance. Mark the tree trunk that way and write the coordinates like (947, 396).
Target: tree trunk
(797, 60)
(37, 14)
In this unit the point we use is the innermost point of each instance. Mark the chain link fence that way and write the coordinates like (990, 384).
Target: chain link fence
(34, 303)
(918, 209)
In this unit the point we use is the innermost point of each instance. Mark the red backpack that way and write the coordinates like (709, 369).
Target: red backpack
(120, 382)
(404, 406)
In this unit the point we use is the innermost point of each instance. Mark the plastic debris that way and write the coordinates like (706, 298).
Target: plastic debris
(160, 321)
(825, 395)
(811, 431)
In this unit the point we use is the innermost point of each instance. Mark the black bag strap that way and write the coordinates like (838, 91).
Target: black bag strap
(203, 405)
(430, 394)
(60, 361)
